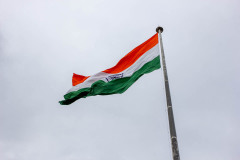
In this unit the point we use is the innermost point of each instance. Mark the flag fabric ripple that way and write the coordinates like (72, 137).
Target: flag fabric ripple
(141, 60)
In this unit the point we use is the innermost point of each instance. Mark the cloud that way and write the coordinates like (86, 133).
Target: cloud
(43, 42)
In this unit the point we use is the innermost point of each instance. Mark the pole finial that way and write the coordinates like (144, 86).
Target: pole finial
(159, 29)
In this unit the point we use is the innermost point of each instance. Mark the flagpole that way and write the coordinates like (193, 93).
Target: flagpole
(173, 135)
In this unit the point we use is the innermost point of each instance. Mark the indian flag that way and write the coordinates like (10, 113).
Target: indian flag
(141, 60)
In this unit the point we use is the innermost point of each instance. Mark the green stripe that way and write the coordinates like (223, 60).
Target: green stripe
(115, 86)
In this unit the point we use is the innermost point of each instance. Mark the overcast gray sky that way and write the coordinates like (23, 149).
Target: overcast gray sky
(43, 42)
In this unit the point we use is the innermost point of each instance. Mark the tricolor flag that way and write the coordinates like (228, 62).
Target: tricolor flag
(141, 60)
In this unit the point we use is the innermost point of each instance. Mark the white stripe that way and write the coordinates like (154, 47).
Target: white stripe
(145, 58)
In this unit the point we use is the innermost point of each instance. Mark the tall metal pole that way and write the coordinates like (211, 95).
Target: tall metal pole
(173, 135)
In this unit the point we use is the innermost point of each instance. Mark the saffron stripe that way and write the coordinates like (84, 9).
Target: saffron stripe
(77, 79)
(127, 61)
(133, 56)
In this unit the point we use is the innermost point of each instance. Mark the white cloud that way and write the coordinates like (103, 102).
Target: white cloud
(43, 42)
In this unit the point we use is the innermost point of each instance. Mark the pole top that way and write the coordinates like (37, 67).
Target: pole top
(159, 28)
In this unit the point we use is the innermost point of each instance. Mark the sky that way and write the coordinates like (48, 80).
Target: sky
(42, 43)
